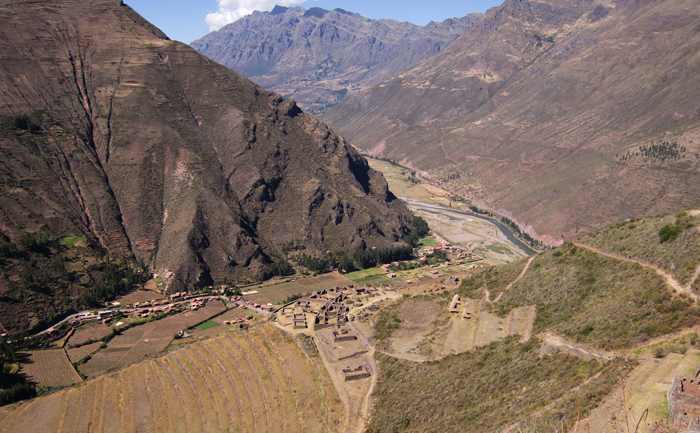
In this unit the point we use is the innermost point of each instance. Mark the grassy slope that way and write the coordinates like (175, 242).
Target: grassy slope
(591, 298)
(640, 239)
(582, 295)
(489, 389)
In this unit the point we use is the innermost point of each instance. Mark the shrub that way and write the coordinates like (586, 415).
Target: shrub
(669, 233)
(20, 391)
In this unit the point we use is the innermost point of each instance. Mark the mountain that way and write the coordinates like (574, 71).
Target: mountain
(317, 56)
(151, 151)
(563, 114)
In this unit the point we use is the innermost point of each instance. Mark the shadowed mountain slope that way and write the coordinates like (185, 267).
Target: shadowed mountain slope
(317, 56)
(147, 147)
(539, 102)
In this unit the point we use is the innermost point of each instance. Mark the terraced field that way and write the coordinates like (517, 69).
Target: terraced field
(257, 380)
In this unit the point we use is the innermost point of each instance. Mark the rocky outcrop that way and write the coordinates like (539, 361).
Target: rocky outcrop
(317, 56)
(111, 130)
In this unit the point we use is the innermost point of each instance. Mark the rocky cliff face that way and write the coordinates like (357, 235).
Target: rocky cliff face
(113, 131)
(537, 105)
(318, 56)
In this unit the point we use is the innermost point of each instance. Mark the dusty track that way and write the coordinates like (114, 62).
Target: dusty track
(670, 280)
(522, 274)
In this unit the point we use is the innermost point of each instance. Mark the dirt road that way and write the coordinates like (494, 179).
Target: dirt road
(498, 298)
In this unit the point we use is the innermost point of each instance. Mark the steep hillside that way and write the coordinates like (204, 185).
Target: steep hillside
(148, 148)
(317, 56)
(540, 109)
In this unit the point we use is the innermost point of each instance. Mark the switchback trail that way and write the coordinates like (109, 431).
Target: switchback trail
(672, 282)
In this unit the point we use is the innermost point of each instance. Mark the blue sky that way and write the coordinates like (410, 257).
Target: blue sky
(187, 20)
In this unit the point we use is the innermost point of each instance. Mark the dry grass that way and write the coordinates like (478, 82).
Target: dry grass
(489, 389)
(640, 239)
(591, 298)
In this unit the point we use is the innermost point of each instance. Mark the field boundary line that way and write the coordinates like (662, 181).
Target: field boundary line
(12, 415)
(64, 409)
(245, 383)
(216, 383)
(101, 422)
(196, 373)
(177, 362)
(176, 386)
(150, 397)
(94, 403)
(162, 393)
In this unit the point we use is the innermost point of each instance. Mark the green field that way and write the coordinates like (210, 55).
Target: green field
(208, 324)
(367, 275)
(429, 242)
(73, 240)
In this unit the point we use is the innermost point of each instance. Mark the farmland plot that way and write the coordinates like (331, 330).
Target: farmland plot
(136, 343)
(50, 368)
(241, 381)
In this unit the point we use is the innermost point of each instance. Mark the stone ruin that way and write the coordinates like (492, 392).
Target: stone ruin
(343, 334)
(684, 403)
(299, 321)
(358, 373)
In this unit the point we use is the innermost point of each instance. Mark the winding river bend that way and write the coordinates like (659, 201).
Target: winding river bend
(507, 232)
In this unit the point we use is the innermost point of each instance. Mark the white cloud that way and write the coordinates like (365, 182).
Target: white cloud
(231, 10)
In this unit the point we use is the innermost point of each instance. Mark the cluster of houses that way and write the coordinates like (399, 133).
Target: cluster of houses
(237, 320)
(103, 316)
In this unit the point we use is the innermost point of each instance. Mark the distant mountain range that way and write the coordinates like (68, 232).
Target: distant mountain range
(568, 115)
(317, 56)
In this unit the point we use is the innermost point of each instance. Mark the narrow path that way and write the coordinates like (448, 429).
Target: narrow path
(576, 349)
(487, 294)
(672, 282)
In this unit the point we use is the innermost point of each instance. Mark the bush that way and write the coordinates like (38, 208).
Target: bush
(20, 391)
(669, 233)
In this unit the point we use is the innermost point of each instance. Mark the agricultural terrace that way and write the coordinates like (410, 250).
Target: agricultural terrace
(49, 368)
(251, 381)
(134, 344)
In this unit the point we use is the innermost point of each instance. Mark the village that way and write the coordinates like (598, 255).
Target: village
(333, 322)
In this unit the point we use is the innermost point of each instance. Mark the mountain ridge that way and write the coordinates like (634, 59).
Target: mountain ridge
(317, 56)
(535, 103)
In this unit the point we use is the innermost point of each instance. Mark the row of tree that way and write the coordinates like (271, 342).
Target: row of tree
(658, 152)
